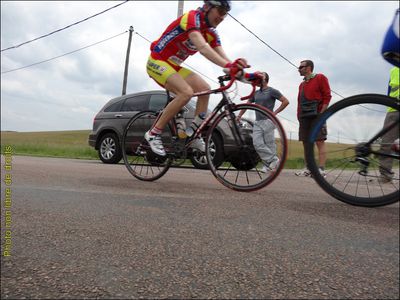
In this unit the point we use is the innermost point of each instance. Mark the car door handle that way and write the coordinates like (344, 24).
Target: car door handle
(118, 116)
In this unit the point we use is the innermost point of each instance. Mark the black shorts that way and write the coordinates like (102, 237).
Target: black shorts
(305, 128)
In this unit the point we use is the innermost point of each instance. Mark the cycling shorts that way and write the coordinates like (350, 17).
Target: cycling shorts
(161, 70)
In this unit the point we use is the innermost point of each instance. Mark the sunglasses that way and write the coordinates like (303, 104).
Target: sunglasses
(222, 11)
(301, 67)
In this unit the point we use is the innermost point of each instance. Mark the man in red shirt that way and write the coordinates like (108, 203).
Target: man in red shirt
(313, 98)
(191, 33)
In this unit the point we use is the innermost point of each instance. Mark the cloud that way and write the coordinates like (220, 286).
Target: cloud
(343, 39)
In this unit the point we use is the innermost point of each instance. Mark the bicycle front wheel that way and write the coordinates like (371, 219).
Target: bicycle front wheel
(361, 166)
(140, 161)
(254, 148)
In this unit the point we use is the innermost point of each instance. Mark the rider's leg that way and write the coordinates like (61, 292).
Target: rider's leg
(177, 85)
(172, 77)
(386, 163)
(183, 92)
(199, 84)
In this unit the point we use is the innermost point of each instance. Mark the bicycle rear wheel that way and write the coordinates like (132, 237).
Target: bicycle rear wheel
(354, 157)
(247, 164)
(140, 161)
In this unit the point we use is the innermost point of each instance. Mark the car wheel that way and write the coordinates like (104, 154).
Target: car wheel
(199, 160)
(110, 149)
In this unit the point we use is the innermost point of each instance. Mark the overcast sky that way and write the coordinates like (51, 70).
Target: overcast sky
(342, 38)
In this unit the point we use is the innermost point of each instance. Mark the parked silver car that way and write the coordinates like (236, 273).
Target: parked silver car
(109, 124)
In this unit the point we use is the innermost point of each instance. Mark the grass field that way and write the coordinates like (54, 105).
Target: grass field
(70, 144)
(74, 144)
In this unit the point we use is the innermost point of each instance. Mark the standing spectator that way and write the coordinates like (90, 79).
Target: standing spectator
(313, 98)
(263, 131)
(392, 115)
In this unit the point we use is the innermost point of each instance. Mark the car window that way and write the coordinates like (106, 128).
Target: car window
(137, 103)
(157, 102)
(113, 107)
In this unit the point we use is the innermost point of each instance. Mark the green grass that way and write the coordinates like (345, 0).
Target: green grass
(74, 144)
(69, 144)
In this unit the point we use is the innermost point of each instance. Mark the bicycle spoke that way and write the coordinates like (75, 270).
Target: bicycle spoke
(140, 161)
(355, 158)
(241, 166)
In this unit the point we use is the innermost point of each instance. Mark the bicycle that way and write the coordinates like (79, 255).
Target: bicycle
(353, 157)
(238, 168)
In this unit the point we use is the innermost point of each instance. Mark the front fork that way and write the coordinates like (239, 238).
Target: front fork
(233, 124)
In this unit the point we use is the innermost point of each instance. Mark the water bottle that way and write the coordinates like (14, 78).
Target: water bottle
(195, 124)
(181, 124)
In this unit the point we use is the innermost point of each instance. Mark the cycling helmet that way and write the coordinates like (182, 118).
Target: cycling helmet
(219, 3)
(391, 43)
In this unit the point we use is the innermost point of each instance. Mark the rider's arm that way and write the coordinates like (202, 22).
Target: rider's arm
(205, 49)
(221, 52)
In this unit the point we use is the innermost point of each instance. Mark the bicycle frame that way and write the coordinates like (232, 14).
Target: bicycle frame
(225, 102)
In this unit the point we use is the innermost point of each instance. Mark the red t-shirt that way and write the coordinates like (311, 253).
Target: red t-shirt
(175, 45)
(316, 88)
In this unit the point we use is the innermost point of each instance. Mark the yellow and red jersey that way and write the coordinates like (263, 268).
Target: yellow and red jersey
(174, 44)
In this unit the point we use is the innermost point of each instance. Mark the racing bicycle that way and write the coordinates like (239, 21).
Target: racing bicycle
(236, 165)
(354, 151)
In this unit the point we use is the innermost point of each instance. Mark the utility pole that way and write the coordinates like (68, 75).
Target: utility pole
(180, 8)
(127, 61)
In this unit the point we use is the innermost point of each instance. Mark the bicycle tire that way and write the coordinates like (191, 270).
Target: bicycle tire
(348, 178)
(241, 169)
(140, 161)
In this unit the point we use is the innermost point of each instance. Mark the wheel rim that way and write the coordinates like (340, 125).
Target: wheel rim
(246, 179)
(140, 161)
(108, 148)
(353, 164)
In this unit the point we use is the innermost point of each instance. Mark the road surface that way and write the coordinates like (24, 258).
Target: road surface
(83, 229)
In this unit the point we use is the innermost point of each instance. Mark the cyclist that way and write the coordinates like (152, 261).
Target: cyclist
(192, 32)
(391, 52)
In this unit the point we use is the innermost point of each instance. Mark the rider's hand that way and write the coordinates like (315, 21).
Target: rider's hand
(256, 77)
(239, 64)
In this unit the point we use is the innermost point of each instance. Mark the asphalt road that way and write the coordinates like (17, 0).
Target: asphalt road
(82, 229)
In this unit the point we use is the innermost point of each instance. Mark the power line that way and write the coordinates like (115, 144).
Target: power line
(58, 30)
(262, 41)
(53, 58)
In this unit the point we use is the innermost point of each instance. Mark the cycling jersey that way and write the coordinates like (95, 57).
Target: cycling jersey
(394, 86)
(174, 44)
